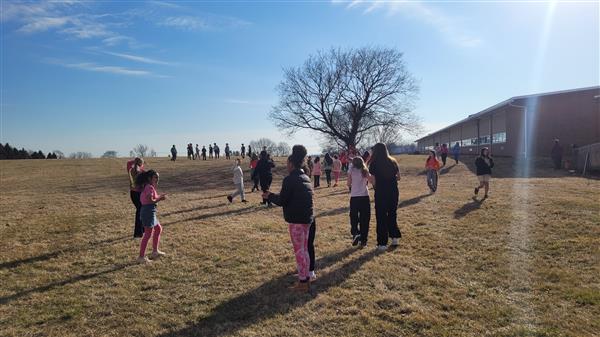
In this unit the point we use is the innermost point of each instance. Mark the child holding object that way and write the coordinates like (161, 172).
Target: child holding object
(360, 202)
(238, 180)
(149, 198)
(432, 166)
(296, 198)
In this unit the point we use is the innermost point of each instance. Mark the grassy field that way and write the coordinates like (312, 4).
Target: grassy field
(525, 262)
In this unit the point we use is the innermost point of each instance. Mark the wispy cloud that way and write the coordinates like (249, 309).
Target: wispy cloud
(138, 58)
(202, 23)
(246, 102)
(446, 25)
(111, 69)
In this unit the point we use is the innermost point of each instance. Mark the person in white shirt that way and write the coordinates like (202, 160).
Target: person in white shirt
(238, 180)
(360, 202)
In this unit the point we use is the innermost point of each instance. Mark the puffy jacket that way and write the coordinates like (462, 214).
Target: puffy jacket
(296, 198)
(483, 167)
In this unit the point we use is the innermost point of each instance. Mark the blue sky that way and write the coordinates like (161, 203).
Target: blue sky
(106, 75)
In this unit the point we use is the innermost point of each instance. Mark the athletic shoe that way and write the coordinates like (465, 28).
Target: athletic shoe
(381, 248)
(230, 199)
(362, 245)
(312, 276)
(476, 190)
(485, 196)
(300, 286)
(143, 260)
(334, 185)
(395, 241)
(355, 240)
(244, 200)
(157, 254)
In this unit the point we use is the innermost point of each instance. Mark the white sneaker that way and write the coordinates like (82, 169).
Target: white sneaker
(395, 241)
(143, 260)
(157, 254)
(381, 248)
(312, 276)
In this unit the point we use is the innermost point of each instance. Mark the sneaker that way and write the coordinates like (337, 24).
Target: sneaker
(143, 260)
(362, 245)
(157, 254)
(300, 286)
(381, 248)
(312, 276)
(476, 190)
(334, 185)
(485, 196)
(244, 200)
(230, 199)
(355, 240)
(395, 241)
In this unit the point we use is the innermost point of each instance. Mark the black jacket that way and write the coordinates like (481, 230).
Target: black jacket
(483, 167)
(296, 198)
(263, 168)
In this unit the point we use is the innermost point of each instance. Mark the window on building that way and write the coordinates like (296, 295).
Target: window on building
(499, 137)
(484, 140)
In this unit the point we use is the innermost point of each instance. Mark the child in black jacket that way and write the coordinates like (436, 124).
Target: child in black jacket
(484, 164)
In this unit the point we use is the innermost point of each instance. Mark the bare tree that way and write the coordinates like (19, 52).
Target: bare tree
(283, 149)
(258, 145)
(110, 154)
(59, 154)
(80, 155)
(140, 150)
(345, 94)
(152, 153)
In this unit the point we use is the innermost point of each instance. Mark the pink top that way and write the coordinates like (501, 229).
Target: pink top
(148, 193)
(337, 165)
(359, 184)
(316, 171)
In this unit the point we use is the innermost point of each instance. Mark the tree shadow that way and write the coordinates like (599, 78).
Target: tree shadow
(336, 211)
(199, 208)
(468, 208)
(238, 211)
(50, 286)
(52, 255)
(413, 201)
(447, 169)
(270, 299)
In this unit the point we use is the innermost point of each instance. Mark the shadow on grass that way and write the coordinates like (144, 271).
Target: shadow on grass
(52, 255)
(446, 170)
(468, 208)
(335, 211)
(413, 201)
(199, 208)
(238, 211)
(268, 300)
(50, 286)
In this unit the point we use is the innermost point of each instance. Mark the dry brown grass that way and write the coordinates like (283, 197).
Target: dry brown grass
(523, 263)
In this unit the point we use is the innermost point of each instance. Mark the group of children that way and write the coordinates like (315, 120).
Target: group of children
(377, 169)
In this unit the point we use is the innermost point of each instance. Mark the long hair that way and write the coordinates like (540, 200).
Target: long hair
(144, 178)
(359, 164)
(317, 159)
(297, 156)
(383, 161)
(482, 150)
(328, 159)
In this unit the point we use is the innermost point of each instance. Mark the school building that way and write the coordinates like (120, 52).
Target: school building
(526, 126)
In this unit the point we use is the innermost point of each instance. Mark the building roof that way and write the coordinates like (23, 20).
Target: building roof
(503, 103)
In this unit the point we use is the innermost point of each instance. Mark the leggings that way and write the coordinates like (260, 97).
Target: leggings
(317, 181)
(336, 176)
(239, 190)
(311, 245)
(328, 177)
(138, 229)
(157, 229)
(299, 236)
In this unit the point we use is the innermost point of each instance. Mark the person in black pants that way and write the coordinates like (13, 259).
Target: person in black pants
(360, 203)
(263, 170)
(203, 152)
(135, 191)
(385, 175)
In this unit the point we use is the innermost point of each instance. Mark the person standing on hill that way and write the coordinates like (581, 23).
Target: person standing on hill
(309, 167)
(327, 166)
(227, 151)
(173, 153)
(360, 203)
(249, 151)
(456, 152)
(243, 151)
(149, 198)
(432, 166)
(190, 151)
(385, 175)
(210, 151)
(296, 198)
(253, 173)
(316, 172)
(203, 152)
(217, 150)
(336, 168)
(484, 164)
(444, 150)
(135, 168)
(263, 170)
(238, 180)
(556, 154)
(197, 152)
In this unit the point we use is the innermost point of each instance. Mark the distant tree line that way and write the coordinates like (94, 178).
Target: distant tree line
(9, 152)
(280, 149)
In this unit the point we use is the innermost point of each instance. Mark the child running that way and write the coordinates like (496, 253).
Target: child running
(484, 164)
(263, 170)
(238, 180)
(296, 198)
(360, 202)
(316, 172)
(336, 167)
(149, 198)
(432, 166)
